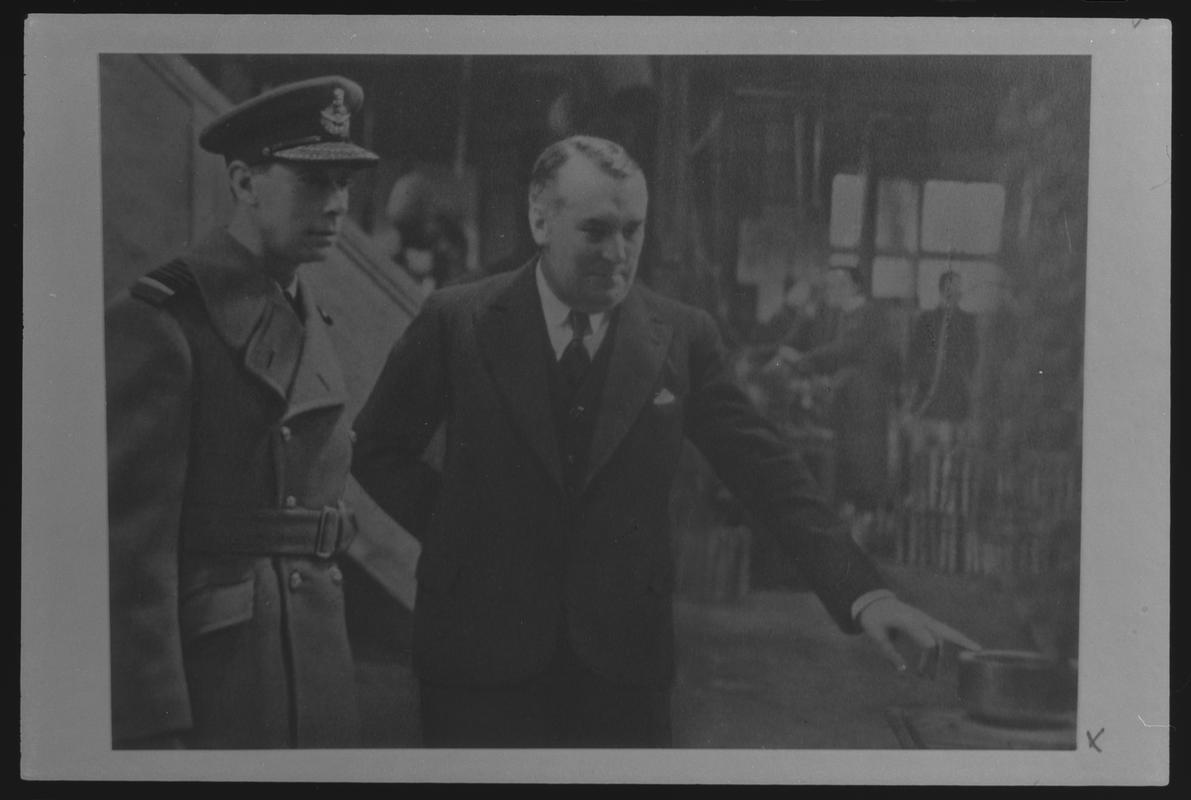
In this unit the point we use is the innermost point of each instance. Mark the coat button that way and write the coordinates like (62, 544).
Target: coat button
(295, 580)
(291, 501)
(336, 574)
(286, 433)
(352, 436)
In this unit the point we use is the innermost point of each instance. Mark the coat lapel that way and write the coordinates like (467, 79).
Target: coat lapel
(512, 332)
(639, 351)
(248, 312)
(274, 348)
(318, 382)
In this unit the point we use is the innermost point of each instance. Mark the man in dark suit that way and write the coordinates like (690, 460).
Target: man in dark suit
(228, 454)
(943, 357)
(543, 613)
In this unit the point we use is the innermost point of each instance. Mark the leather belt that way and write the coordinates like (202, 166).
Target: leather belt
(321, 533)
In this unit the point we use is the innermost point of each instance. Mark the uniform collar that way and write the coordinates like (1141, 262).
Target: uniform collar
(249, 311)
(235, 288)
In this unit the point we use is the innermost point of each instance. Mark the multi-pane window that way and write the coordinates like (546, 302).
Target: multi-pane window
(923, 229)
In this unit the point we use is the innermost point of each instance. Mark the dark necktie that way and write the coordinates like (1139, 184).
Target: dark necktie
(575, 359)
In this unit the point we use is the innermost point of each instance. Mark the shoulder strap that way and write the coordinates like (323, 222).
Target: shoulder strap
(164, 283)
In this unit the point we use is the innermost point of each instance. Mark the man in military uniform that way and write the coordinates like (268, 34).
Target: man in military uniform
(228, 453)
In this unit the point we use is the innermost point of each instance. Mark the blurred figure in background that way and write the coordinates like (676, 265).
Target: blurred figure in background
(790, 323)
(424, 230)
(942, 361)
(802, 323)
(448, 247)
(765, 367)
(863, 364)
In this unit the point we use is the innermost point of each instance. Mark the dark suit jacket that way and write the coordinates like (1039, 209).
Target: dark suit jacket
(220, 407)
(510, 557)
(950, 398)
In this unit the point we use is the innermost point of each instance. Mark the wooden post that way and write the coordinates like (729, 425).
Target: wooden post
(800, 193)
(817, 164)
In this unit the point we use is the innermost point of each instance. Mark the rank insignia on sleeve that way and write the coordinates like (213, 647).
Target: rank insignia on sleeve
(163, 283)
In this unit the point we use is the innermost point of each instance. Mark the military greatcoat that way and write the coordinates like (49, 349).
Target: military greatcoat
(228, 453)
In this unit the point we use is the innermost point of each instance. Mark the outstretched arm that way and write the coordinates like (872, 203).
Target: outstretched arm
(772, 482)
(764, 472)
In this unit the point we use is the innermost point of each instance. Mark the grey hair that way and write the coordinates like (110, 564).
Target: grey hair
(610, 157)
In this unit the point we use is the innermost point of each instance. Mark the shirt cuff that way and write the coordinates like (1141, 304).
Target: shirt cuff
(867, 599)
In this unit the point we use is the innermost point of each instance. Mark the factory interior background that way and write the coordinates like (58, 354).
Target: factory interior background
(765, 172)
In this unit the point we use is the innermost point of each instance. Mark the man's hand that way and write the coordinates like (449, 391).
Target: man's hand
(888, 616)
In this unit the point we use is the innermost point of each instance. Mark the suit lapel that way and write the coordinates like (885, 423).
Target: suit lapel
(512, 332)
(639, 351)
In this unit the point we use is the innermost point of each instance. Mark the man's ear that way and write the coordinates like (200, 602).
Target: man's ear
(539, 222)
(240, 177)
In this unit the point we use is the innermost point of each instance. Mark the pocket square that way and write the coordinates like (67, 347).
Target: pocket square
(663, 398)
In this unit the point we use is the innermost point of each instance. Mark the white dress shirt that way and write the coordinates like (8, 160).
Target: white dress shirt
(558, 324)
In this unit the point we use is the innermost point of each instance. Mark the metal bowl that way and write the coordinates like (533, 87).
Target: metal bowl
(1017, 688)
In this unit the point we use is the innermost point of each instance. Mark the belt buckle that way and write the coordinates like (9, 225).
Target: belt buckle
(330, 527)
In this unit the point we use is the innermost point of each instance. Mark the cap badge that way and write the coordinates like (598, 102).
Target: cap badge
(336, 118)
